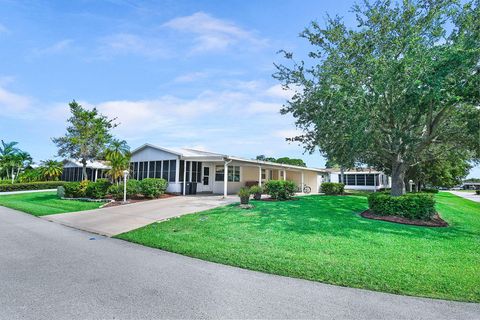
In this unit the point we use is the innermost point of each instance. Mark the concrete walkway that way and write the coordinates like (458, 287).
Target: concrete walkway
(49, 271)
(115, 220)
(6, 193)
(467, 195)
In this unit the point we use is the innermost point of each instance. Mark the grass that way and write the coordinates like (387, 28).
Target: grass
(323, 238)
(44, 203)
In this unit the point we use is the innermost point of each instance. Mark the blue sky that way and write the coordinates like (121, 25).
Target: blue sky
(174, 73)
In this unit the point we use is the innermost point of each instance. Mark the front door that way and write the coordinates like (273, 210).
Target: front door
(207, 184)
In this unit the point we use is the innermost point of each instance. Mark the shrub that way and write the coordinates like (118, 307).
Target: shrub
(133, 190)
(412, 206)
(152, 187)
(477, 192)
(98, 189)
(257, 192)
(244, 195)
(280, 189)
(30, 186)
(249, 184)
(332, 188)
(74, 190)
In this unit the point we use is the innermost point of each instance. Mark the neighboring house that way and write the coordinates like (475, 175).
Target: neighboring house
(72, 170)
(192, 171)
(471, 186)
(361, 179)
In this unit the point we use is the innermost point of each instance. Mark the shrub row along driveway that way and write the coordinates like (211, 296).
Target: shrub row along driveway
(53, 272)
(115, 220)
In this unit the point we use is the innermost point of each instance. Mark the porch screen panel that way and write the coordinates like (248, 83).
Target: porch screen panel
(182, 169)
(173, 170)
(199, 172)
(350, 179)
(360, 179)
(369, 179)
(151, 172)
(165, 169)
(158, 169)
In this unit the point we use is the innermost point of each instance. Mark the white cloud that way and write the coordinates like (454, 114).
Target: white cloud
(3, 29)
(212, 34)
(289, 133)
(192, 76)
(57, 47)
(278, 91)
(128, 43)
(264, 107)
(12, 104)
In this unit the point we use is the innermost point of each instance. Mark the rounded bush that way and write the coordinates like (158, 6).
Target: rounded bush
(74, 190)
(98, 189)
(280, 189)
(332, 188)
(152, 187)
(412, 205)
(133, 189)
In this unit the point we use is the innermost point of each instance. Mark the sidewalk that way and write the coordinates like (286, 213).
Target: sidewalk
(467, 195)
(25, 191)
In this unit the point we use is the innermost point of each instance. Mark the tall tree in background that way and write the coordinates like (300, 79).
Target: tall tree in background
(87, 135)
(390, 91)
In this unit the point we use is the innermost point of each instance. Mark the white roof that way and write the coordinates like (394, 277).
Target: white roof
(189, 153)
(90, 164)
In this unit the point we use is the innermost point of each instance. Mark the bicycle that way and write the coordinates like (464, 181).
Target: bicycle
(306, 189)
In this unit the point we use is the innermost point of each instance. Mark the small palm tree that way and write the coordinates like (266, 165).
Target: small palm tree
(51, 169)
(117, 148)
(118, 157)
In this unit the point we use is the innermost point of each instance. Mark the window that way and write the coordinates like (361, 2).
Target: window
(173, 170)
(350, 179)
(270, 174)
(158, 169)
(151, 169)
(219, 173)
(165, 169)
(360, 179)
(369, 178)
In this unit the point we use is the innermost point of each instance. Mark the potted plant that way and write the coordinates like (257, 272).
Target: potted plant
(244, 195)
(257, 192)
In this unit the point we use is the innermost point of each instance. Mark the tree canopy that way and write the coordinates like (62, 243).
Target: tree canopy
(398, 90)
(87, 136)
(285, 160)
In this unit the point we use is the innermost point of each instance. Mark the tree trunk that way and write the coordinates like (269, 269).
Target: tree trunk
(84, 169)
(342, 174)
(398, 178)
(13, 174)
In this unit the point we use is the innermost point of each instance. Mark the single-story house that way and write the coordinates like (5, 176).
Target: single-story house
(72, 170)
(189, 170)
(361, 179)
(471, 186)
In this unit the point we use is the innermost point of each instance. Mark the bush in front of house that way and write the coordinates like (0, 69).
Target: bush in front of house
(332, 188)
(75, 190)
(244, 194)
(256, 191)
(411, 206)
(280, 189)
(153, 187)
(133, 189)
(4, 187)
(429, 190)
(98, 189)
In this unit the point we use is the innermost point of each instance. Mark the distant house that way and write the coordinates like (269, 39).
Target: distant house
(361, 179)
(471, 186)
(194, 171)
(72, 170)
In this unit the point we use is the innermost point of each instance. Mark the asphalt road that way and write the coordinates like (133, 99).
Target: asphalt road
(50, 271)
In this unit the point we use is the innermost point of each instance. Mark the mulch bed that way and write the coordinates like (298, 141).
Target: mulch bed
(435, 222)
(120, 202)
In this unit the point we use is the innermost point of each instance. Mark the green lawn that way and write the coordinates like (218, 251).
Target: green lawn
(44, 203)
(323, 238)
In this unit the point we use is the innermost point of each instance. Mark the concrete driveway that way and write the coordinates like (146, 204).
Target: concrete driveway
(115, 220)
(49, 271)
(467, 195)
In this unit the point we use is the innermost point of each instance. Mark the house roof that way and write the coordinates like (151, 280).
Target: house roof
(90, 164)
(189, 153)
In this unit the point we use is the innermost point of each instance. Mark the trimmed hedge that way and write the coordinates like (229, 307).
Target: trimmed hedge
(133, 189)
(152, 187)
(98, 189)
(429, 190)
(332, 188)
(280, 189)
(31, 186)
(76, 189)
(412, 205)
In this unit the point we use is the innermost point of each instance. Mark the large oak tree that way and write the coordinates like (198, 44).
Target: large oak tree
(391, 90)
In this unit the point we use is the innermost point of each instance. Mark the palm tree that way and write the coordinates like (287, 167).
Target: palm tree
(7, 153)
(51, 169)
(117, 148)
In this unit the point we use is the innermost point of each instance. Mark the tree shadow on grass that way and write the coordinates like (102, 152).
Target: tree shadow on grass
(339, 216)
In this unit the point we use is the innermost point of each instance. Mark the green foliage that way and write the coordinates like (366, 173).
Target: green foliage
(412, 205)
(31, 186)
(386, 92)
(74, 190)
(429, 190)
(152, 187)
(133, 190)
(256, 189)
(87, 135)
(30, 175)
(244, 192)
(12, 160)
(118, 156)
(98, 189)
(332, 188)
(51, 169)
(284, 160)
(280, 189)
